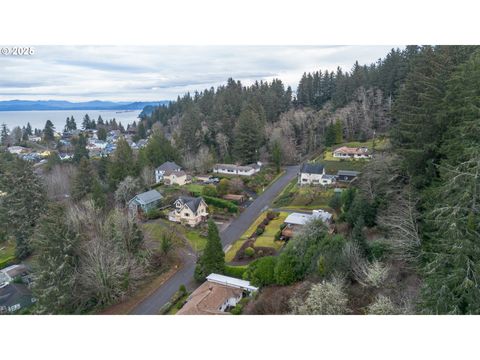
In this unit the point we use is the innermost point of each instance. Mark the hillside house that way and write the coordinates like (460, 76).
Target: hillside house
(13, 272)
(296, 221)
(166, 166)
(232, 169)
(346, 152)
(145, 202)
(314, 174)
(176, 178)
(216, 296)
(189, 211)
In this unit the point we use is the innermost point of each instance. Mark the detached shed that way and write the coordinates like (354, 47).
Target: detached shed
(145, 201)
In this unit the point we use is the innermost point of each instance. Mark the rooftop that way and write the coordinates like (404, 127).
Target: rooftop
(347, 173)
(148, 197)
(352, 150)
(169, 165)
(312, 168)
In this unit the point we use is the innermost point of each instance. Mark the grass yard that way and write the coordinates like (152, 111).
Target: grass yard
(7, 253)
(267, 239)
(195, 188)
(197, 242)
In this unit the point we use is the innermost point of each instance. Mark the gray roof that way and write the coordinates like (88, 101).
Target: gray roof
(312, 168)
(191, 202)
(12, 293)
(347, 173)
(169, 165)
(148, 197)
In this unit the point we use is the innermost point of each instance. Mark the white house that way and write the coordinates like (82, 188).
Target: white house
(166, 166)
(232, 169)
(175, 178)
(346, 152)
(189, 210)
(314, 174)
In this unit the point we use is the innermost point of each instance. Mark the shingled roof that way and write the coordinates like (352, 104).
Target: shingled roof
(169, 166)
(192, 202)
(148, 197)
(312, 168)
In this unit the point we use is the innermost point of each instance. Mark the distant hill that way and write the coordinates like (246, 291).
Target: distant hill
(31, 105)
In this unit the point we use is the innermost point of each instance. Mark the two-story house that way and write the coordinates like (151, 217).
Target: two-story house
(314, 174)
(189, 211)
(166, 166)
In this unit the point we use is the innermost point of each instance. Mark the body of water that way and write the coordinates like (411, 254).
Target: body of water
(37, 119)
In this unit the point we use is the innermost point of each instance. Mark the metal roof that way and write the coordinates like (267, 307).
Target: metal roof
(347, 173)
(230, 281)
(148, 197)
(302, 219)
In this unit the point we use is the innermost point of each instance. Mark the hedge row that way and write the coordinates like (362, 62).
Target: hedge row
(235, 271)
(220, 203)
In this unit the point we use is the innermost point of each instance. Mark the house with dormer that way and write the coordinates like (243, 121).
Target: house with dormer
(188, 210)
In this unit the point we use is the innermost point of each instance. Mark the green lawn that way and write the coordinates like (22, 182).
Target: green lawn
(196, 188)
(7, 253)
(197, 242)
(267, 239)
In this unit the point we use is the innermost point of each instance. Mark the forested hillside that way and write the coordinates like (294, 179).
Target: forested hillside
(242, 123)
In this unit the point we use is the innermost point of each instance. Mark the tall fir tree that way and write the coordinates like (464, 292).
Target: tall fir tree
(213, 258)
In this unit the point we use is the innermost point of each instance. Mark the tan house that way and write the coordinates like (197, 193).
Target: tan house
(171, 177)
(216, 296)
(189, 211)
(346, 152)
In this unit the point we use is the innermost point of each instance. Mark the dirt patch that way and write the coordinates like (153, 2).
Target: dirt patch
(260, 251)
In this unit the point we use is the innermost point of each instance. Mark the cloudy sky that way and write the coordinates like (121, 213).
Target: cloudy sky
(151, 73)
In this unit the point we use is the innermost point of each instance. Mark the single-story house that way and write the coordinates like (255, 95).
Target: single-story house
(347, 175)
(189, 210)
(232, 169)
(166, 166)
(295, 221)
(17, 150)
(14, 297)
(346, 152)
(145, 202)
(314, 174)
(176, 178)
(216, 296)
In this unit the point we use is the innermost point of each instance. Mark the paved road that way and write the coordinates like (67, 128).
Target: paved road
(162, 295)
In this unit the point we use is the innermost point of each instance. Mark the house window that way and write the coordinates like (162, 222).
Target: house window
(186, 214)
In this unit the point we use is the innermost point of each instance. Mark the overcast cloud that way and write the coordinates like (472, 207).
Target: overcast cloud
(120, 73)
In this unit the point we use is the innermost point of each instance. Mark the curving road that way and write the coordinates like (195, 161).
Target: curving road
(152, 304)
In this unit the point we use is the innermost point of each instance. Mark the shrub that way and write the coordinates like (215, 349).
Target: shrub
(272, 215)
(182, 289)
(377, 250)
(235, 271)
(210, 190)
(282, 226)
(278, 234)
(249, 252)
(153, 214)
(260, 231)
(220, 203)
(261, 272)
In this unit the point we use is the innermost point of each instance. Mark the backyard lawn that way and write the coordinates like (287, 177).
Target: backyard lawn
(197, 242)
(7, 253)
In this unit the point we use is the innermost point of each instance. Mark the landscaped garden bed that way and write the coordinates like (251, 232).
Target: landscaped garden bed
(261, 239)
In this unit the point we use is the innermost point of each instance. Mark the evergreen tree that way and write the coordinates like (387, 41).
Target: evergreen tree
(157, 151)
(28, 129)
(98, 194)
(102, 134)
(57, 254)
(4, 135)
(86, 124)
(80, 148)
(48, 131)
(213, 258)
(277, 155)
(141, 131)
(330, 135)
(248, 136)
(24, 203)
(83, 181)
(122, 164)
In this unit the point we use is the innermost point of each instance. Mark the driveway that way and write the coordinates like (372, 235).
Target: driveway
(152, 304)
